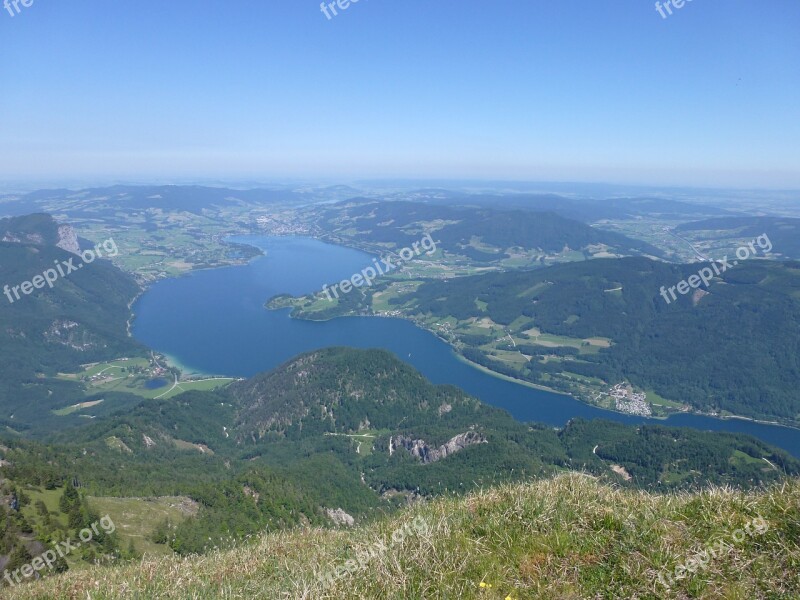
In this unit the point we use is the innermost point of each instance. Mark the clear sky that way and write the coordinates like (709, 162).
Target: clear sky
(570, 90)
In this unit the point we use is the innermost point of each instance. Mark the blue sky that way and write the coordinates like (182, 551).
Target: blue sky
(567, 90)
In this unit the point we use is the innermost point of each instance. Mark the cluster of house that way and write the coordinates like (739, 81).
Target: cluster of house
(630, 402)
(276, 226)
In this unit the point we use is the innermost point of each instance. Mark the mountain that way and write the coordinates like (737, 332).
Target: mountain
(335, 436)
(582, 327)
(359, 430)
(483, 235)
(82, 317)
(37, 229)
(342, 390)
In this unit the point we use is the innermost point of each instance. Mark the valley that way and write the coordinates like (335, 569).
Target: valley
(414, 301)
(185, 461)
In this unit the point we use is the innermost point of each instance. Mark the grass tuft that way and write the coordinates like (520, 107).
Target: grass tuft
(567, 537)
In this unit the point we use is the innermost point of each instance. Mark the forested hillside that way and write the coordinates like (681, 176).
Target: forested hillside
(482, 235)
(783, 232)
(82, 318)
(736, 345)
(356, 432)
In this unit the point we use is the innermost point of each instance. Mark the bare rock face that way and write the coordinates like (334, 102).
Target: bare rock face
(421, 450)
(38, 230)
(339, 517)
(71, 334)
(68, 239)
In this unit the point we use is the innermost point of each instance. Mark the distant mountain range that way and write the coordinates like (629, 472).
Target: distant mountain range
(585, 210)
(92, 202)
(479, 234)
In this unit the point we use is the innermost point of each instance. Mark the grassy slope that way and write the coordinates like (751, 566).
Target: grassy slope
(569, 537)
(137, 518)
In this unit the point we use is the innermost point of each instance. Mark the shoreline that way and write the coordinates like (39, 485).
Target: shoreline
(505, 377)
(540, 387)
(187, 373)
(173, 361)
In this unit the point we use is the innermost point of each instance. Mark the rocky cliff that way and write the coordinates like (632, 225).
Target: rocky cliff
(421, 450)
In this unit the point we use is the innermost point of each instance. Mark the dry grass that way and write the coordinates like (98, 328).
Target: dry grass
(568, 537)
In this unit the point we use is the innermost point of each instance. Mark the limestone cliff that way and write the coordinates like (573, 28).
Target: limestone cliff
(421, 450)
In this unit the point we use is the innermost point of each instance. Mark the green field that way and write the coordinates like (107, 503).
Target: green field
(136, 518)
(194, 384)
(132, 376)
(50, 499)
(363, 440)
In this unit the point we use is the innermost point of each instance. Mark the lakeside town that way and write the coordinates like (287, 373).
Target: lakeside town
(630, 402)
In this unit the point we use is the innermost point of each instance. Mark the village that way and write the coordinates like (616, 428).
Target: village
(626, 400)
(630, 402)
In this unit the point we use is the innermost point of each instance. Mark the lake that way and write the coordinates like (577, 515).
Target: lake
(214, 321)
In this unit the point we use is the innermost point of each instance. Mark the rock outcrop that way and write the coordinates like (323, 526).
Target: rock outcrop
(421, 450)
(68, 239)
(339, 517)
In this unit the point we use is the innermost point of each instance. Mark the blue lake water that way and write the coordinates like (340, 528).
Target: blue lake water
(214, 321)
